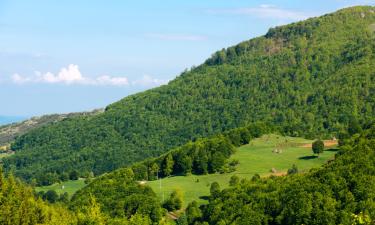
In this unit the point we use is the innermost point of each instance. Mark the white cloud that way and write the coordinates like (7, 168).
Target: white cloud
(69, 75)
(149, 81)
(66, 75)
(72, 75)
(264, 11)
(18, 79)
(115, 81)
(177, 37)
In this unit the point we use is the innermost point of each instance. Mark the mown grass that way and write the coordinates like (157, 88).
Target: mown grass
(70, 187)
(255, 158)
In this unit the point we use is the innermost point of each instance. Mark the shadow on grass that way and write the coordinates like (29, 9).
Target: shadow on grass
(331, 150)
(308, 157)
(204, 197)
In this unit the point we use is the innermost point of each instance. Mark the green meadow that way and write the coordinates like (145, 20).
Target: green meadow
(70, 187)
(258, 157)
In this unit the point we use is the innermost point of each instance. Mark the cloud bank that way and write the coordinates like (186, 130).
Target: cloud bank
(71, 75)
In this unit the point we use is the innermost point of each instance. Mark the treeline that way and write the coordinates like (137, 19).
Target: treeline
(343, 192)
(203, 156)
(121, 194)
(307, 79)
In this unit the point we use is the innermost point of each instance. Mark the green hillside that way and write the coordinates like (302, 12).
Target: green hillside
(255, 158)
(10, 131)
(341, 192)
(308, 79)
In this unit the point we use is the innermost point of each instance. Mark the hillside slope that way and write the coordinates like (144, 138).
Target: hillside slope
(308, 79)
(342, 192)
(10, 131)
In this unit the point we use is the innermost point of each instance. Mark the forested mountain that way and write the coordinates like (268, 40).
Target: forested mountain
(307, 79)
(10, 131)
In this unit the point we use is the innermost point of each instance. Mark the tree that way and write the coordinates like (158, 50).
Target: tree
(174, 202)
(293, 170)
(64, 197)
(215, 189)
(168, 165)
(256, 177)
(200, 164)
(216, 162)
(139, 219)
(64, 176)
(318, 147)
(182, 220)
(74, 175)
(153, 171)
(91, 214)
(234, 180)
(354, 127)
(193, 213)
(183, 164)
(140, 171)
(51, 196)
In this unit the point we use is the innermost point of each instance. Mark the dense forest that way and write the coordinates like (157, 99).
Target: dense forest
(342, 192)
(308, 79)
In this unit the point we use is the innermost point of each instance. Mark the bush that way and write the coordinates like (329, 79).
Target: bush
(174, 202)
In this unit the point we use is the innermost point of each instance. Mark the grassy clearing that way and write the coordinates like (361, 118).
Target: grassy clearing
(256, 157)
(69, 186)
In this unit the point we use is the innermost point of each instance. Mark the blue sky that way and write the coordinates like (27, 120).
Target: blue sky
(64, 56)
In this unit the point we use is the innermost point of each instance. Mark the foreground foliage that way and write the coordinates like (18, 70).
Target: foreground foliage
(18, 205)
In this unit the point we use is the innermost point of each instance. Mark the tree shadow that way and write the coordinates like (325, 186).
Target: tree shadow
(204, 197)
(331, 150)
(308, 157)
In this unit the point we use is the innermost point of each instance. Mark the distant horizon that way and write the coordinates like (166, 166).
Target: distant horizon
(4, 120)
(58, 64)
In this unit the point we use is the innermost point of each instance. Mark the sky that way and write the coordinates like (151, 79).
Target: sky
(78, 55)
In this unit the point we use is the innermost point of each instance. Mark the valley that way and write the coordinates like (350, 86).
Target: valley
(257, 157)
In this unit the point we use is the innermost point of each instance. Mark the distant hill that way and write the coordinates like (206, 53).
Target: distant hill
(13, 128)
(307, 79)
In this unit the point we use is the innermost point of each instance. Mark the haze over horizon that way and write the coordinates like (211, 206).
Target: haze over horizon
(77, 56)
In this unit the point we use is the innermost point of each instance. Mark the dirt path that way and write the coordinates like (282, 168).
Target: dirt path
(173, 215)
(327, 143)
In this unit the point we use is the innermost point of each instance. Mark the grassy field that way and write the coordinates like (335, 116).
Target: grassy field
(256, 157)
(69, 186)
